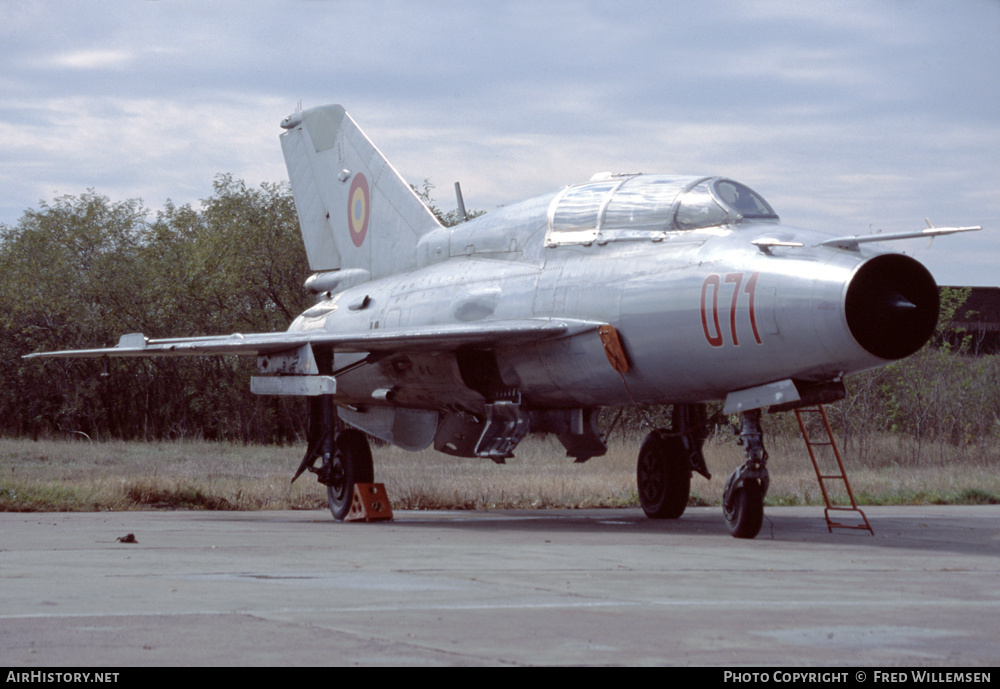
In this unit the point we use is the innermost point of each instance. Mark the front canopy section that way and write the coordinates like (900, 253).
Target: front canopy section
(719, 201)
(623, 207)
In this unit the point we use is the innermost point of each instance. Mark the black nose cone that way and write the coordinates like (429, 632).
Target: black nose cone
(892, 306)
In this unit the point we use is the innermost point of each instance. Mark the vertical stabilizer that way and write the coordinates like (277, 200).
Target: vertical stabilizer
(354, 209)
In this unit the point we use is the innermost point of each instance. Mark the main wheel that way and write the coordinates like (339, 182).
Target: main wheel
(351, 463)
(743, 508)
(663, 477)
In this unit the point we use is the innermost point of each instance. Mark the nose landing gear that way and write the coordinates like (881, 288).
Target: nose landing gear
(743, 497)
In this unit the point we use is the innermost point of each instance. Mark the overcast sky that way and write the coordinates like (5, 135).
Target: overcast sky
(849, 117)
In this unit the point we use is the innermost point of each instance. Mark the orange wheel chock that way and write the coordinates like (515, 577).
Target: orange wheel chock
(370, 504)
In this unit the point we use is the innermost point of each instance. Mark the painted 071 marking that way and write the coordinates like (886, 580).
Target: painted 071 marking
(713, 284)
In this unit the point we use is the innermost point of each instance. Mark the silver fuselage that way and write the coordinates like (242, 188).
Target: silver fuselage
(701, 313)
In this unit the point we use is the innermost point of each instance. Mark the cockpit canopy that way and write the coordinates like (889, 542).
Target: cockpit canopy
(637, 206)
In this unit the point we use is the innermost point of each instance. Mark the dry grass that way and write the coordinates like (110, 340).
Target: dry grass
(82, 476)
(77, 475)
(540, 475)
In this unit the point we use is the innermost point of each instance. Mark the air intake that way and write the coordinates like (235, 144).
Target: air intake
(892, 306)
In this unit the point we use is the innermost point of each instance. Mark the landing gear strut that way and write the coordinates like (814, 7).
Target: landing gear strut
(743, 497)
(345, 457)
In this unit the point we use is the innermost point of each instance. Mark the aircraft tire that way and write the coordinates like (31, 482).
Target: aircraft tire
(663, 477)
(743, 508)
(352, 463)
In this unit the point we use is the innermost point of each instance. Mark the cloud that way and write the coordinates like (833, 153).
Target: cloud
(90, 59)
(841, 114)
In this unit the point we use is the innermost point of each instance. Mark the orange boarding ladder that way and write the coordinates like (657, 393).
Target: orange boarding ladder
(811, 445)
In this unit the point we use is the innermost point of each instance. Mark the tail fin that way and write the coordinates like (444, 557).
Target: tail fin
(354, 209)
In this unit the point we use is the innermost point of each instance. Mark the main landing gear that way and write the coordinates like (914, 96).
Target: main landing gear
(344, 457)
(351, 463)
(663, 475)
(668, 458)
(666, 461)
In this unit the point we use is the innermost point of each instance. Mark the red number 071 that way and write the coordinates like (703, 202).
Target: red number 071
(710, 290)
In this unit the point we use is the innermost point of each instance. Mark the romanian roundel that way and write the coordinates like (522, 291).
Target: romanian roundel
(358, 209)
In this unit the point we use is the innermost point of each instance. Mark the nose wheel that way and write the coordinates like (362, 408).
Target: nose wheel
(743, 506)
(743, 497)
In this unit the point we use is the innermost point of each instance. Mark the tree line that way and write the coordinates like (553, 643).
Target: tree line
(80, 271)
